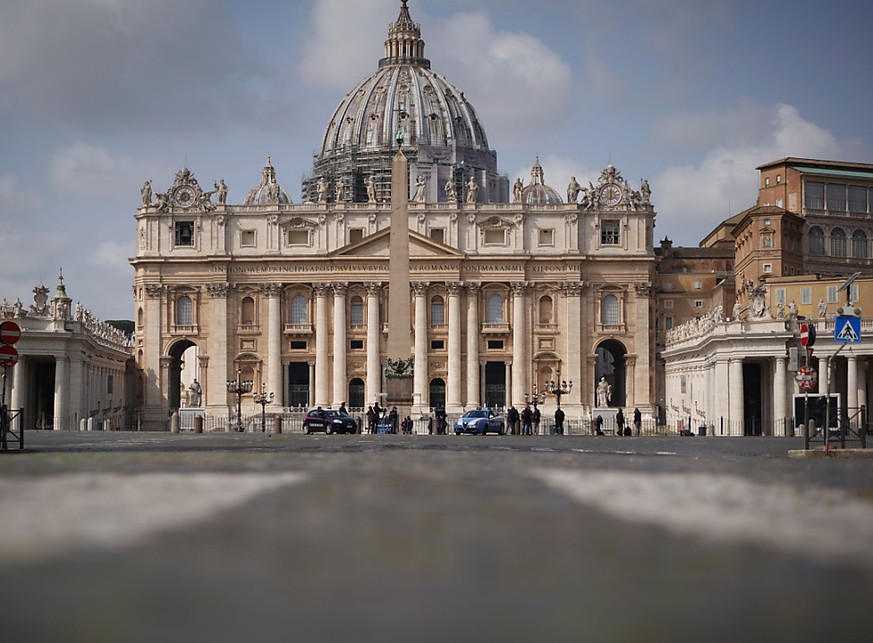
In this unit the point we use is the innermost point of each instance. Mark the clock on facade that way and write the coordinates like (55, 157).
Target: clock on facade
(610, 195)
(185, 196)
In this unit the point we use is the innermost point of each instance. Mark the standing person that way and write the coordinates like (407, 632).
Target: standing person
(619, 423)
(638, 421)
(343, 409)
(393, 417)
(441, 420)
(598, 425)
(537, 416)
(371, 420)
(559, 422)
(512, 416)
(526, 420)
(430, 425)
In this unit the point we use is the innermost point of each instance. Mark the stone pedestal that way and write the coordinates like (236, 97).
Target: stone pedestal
(608, 416)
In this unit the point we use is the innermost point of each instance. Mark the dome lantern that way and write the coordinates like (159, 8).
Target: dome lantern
(404, 45)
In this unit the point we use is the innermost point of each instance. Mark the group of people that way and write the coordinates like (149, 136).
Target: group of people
(377, 415)
(621, 427)
(527, 422)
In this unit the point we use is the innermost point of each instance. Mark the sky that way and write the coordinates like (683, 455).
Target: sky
(97, 96)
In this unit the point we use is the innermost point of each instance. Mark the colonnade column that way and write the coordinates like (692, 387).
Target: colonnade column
(473, 366)
(339, 344)
(77, 383)
(520, 365)
(862, 383)
(824, 368)
(321, 348)
(780, 396)
(573, 338)
(419, 382)
(737, 399)
(453, 386)
(374, 332)
(216, 390)
(274, 382)
(18, 394)
(61, 406)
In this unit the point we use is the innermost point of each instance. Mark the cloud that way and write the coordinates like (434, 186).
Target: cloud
(114, 254)
(93, 172)
(13, 199)
(694, 198)
(104, 64)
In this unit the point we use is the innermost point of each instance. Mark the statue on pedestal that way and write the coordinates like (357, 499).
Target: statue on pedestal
(604, 393)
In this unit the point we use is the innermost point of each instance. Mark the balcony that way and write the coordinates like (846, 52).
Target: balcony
(493, 330)
(186, 331)
(299, 330)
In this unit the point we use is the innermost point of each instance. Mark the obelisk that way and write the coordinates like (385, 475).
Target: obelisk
(399, 367)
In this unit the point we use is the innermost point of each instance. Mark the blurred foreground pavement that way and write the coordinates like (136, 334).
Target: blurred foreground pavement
(227, 537)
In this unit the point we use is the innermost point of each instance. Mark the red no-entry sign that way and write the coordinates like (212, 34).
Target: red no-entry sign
(807, 335)
(10, 333)
(8, 357)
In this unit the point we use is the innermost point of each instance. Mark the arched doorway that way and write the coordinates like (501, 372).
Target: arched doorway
(356, 394)
(611, 365)
(437, 393)
(184, 369)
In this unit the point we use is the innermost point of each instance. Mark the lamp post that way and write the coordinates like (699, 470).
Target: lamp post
(558, 388)
(263, 399)
(239, 388)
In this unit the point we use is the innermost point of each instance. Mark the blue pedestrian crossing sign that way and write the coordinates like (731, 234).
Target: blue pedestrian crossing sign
(847, 330)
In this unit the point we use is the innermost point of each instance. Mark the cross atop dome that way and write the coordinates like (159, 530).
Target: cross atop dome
(404, 45)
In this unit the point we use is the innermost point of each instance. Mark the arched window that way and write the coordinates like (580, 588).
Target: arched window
(838, 242)
(140, 318)
(816, 241)
(495, 309)
(299, 310)
(546, 310)
(437, 311)
(357, 311)
(859, 245)
(437, 393)
(184, 311)
(609, 311)
(247, 312)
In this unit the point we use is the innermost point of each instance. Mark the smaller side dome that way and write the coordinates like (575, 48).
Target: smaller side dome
(538, 193)
(269, 192)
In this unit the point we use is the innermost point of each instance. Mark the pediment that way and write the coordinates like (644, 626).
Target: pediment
(378, 245)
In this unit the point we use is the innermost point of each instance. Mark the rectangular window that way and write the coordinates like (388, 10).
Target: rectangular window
(768, 267)
(438, 235)
(610, 233)
(854, 293)
(437, 313)
(836, 195)
(806, 296)
(780, 295)
(495, 344)
(356, 344)
(832, 294)
(298, 346)
(357, 313)
(547, 237)
(683, 384)
(857, 199)
(698, 285)
(438, 345)
(185, 233)
(355, 235)
(298, 237)
(110, 384)
(495, 237)
(698, 303)
(814, 196)
(247, 239)
(668, 322)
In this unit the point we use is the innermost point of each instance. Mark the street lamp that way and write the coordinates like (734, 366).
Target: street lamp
(263, 399)
(534, 398)
(239, 388)
(558, 388)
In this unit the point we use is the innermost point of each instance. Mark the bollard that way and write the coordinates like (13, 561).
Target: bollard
(198, 424)
(277, 425)
(174, 423)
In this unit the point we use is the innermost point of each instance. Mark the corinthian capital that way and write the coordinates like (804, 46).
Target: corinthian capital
(218, 291)
(420, 288)
(519, 288)
(271, 291)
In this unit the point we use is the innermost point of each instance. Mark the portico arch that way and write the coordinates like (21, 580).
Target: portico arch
(183, 356)
(610, 364)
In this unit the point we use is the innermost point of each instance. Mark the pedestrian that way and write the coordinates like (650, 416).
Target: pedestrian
(619, 423)
(372, 419)
(393, 417)
(598, 425)
(343, 409)
(441, 420)
(513, 420)
(536, 420)
(526, 420)
(638, 421)
(430, 425)
(559, 422)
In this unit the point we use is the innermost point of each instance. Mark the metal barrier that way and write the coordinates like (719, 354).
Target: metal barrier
(7, 417)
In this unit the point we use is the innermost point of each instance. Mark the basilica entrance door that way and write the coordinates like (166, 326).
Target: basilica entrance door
(610, 365)
(298, 384)
(495, 385)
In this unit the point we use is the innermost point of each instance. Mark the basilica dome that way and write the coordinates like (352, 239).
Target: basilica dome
(538, 193)
(439, 127)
